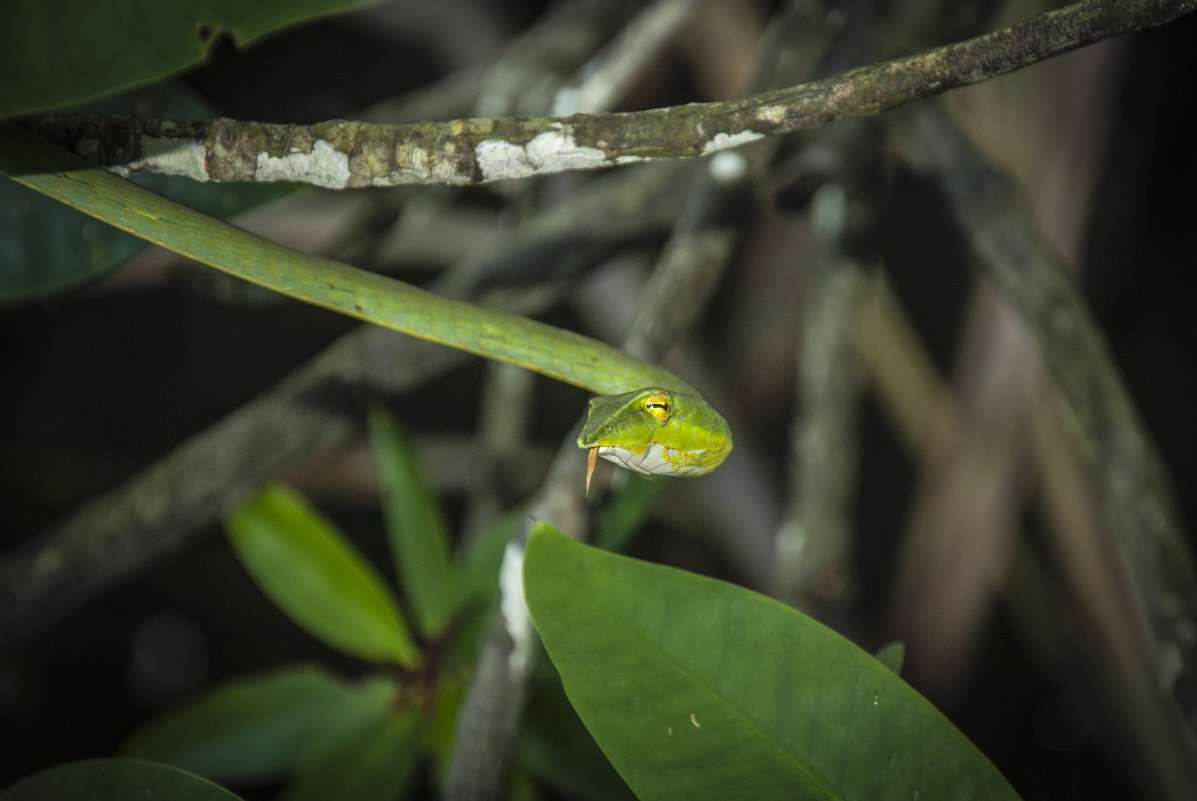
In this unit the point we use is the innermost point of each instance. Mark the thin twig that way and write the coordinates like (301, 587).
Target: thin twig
(535, 64)
(602, 82)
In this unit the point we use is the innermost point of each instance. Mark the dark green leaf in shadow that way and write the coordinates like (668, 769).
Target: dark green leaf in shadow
(419, 539)
(318, 578)
(521, 788)
(46, 247)
(370, 702)
(376, 765)
(55, 52)
(256, 729)
(114, 780)
(698, 689)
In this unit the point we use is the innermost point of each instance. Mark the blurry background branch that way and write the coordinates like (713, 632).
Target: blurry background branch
(1131, 481)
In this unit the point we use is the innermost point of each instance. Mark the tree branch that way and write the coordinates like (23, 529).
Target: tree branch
(817, 535)
(345, 154)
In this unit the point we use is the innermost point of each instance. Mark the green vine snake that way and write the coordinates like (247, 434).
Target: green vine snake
(644, 418)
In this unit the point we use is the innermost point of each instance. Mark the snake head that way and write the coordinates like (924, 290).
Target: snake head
(657, 432)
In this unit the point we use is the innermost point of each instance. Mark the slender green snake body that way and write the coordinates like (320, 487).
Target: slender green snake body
(645, 418)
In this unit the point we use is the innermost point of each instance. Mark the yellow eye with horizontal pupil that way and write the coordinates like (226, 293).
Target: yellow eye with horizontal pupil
(658, 405)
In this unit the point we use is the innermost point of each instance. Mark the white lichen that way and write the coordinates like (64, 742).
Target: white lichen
(160, 154)
(549, 152)
(514, 608)
(418, 166)
(323, 166)
(721, 141)
(175, 156)
(773, 114)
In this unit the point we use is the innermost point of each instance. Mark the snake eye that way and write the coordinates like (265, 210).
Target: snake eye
(658, 405)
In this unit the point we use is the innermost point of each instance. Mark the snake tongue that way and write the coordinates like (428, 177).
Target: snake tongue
(591, 461)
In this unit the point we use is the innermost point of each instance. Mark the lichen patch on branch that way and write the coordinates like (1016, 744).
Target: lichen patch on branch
(166, 155)
(551, 151)
(775, 114)
(721, 141)
(323, 166)
(175, 156)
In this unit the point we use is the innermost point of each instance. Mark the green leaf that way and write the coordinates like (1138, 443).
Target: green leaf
(55, 52)
(257, 729)
(46, 247)
(376, 765)
(698, 689)
(419, 539)
(318, 578)
(114, 780)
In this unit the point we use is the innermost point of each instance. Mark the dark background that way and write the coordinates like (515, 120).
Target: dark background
(103, 381)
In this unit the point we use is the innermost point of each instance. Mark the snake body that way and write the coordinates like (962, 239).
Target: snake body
(690, 439)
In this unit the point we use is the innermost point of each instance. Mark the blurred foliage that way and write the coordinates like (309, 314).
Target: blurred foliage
(56, 52)
(331, 738)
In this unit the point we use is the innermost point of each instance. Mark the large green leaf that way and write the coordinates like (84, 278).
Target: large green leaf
(55, 52)
(318, 578)
(419, 538)
(260, 728)
(114, 780)
(697, 689)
